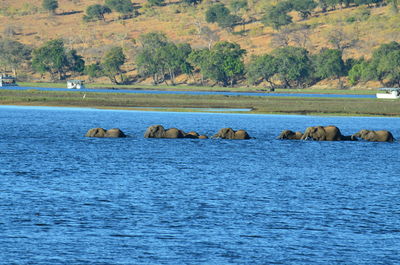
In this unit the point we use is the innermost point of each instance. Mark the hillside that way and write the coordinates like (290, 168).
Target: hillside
(358, 29)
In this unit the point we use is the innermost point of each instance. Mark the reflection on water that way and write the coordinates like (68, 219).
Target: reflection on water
(70, 199)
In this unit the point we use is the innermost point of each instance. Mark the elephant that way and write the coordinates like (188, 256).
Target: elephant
(288, 134)
(102, 133)
(158, 131)
(325, 133)
(229, 133)
(375, 136)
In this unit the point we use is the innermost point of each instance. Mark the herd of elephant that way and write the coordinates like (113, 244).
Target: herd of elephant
(316, 133)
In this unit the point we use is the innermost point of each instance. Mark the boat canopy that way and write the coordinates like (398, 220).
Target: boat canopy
(389, 88)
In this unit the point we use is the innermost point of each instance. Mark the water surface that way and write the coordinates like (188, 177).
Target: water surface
(65, 198)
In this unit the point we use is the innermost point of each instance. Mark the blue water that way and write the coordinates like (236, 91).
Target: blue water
(67, 199)
(196, 92)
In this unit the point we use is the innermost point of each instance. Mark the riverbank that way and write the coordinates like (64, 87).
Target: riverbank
(202, 103)
(207, 88)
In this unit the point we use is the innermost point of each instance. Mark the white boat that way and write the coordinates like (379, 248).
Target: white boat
(75, 84)
(7, 80)
(390, 93)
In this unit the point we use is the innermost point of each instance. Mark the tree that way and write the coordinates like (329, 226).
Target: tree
(276, 16)
(359, 72)
(261, 68)
(13, 54)
(223, 63)
(50, 5)
(192, 2)
(304, 7)
(325, 4)
(237, 5)
(159, 58)
(294, 67)
(385, 64)
(93, 70)
(221, 15)
(155, 2)
(96, 12)
(125, 7)
(329, 63)
(53, 58)
(111, 64)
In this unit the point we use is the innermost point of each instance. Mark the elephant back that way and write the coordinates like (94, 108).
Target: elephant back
(115, 133)
(95, 132)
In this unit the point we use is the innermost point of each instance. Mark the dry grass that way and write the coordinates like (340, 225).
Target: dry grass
(179, 23)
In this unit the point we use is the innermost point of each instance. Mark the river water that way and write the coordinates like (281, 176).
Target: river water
(67, 199)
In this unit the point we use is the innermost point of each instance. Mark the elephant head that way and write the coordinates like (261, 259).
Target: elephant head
(375, 136)
(288, 134)
(320, 133)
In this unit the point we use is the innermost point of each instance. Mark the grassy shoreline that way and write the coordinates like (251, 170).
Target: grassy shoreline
(206, 88)
(189, 103)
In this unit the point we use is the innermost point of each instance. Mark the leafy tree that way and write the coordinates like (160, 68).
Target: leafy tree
(329, 64)
(368, 2)
(53, 58)
(155, 2)
(215, 12)
(96, 12)
(111, 64)
(76, 63)
(277, 16)
(237, 5)
(221, 15)
(159, 58)
(385, 64)
(261, 68)
(93, 70)
(13, 54)
(50, 5)
(325, 4)
(192, 2)
(359, 72)
(304, 7)
(294, 67)
(125, 7)
(223, 63)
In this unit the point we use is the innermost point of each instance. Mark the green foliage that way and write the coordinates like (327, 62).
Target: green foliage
(96, 12)
(277, 16)
(325, 4)
(155, 2)
(221, 15)
(93, 70)
(329, 63)
(223, 63)
(50, 5)
(304, 7)
(125, 7)
(13, 54)
(368, 2)
(294, 67)
(385, 64)
(111, 64)
(237, 5)
(159, 58)
(192, 2)
(215, 12)
(261, 68)
(358, 72)
(54, 59)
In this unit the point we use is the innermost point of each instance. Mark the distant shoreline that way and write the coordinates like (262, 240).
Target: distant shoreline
(201, 103)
